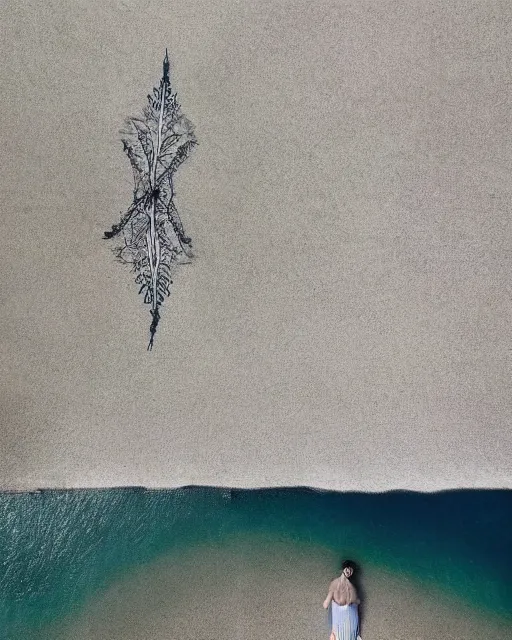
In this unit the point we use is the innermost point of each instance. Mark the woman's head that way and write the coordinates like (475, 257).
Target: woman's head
(348, 568)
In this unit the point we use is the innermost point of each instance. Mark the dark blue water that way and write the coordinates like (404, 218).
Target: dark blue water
(59, 548)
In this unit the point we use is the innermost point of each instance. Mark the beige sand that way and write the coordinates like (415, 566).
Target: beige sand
(347, 321)
(244, 593)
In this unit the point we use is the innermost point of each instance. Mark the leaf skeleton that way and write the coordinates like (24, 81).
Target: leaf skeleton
(150, 233)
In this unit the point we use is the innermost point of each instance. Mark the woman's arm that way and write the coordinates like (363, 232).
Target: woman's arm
(327, 601)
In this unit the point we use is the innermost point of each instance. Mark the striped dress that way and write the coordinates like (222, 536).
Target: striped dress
(345, 621)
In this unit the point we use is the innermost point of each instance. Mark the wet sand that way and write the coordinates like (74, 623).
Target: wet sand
(264, 589)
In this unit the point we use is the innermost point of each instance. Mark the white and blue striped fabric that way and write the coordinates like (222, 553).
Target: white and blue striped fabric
(345, 621)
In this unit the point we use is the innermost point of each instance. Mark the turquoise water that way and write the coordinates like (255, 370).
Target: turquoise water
(59, 548)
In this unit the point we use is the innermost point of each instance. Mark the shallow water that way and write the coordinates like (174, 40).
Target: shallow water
(215, 563)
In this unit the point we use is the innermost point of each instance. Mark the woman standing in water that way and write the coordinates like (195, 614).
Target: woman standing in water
(344, 603)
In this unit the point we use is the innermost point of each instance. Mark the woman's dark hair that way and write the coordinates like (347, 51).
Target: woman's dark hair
(348, 564)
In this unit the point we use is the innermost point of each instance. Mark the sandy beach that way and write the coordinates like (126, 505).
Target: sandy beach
(264, 589)
(348, 205)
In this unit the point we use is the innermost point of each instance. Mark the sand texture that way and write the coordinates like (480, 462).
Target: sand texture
(346, 321)
(243, 592)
